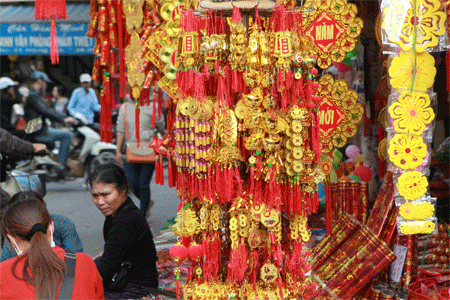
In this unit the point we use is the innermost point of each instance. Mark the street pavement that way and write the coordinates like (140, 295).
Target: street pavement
(73, 200)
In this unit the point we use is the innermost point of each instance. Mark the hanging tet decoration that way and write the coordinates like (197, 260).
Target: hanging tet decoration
(339, 111)
(334, 29)
(412, 28)
(51, 10)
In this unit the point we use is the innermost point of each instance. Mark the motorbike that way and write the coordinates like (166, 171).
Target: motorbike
(87, 153)
(20, 180)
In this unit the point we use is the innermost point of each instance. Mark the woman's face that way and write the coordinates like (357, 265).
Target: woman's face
(107, 198)
(55, 92)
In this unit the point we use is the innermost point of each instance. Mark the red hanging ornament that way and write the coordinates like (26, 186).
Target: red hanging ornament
(178, 252)
(51, 10)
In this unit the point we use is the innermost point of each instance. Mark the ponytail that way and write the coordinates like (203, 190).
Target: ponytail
(28, 219)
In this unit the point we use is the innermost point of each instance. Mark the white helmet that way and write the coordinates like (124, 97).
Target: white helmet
(85, 78)
(6, 82)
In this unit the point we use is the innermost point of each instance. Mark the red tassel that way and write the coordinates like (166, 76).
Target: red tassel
(137, 123)
(239, 183)
(160, 104)
(170, 173)
(255, 270)
(108, 125)
(156, 172)
(121, 46)
(154, 108)
(161, 170)
(50, 9)
(54, 53)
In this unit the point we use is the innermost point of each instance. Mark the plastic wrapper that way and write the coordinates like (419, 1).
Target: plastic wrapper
(399, 201)
(408, 152)
(426, 226)
(412, 71)
(410, 186)
(414, 25)
(419, 210)
(412, 112)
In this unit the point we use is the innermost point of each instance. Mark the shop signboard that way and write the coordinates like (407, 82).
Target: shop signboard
(34, 39)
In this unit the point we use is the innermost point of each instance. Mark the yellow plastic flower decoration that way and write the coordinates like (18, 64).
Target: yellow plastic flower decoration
(427, 22)
(411, 113)
(417, 227)
(412, 185)
(418, 211)
(408, 67)
(407, 151)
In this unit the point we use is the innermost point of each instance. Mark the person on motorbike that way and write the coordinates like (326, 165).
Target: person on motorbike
(11, 145)
(9, 95)
(84, 100)
(36, 108)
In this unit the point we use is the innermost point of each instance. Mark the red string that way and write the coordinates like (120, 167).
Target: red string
(137, 123)
(54, 53)
(154, 96)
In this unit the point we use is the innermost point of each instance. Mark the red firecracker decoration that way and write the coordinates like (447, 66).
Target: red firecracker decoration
(51, 10)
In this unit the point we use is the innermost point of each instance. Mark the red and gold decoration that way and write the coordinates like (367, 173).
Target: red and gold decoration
(51, 10)
(333, 27)
(340, 112)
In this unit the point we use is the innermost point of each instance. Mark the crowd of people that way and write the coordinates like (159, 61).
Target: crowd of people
(59, 111)
(39, 248)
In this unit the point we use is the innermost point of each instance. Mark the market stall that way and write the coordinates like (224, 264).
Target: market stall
(273, 142)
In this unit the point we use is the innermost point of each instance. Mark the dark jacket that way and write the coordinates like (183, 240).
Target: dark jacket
(128, 238)
(35, 108)
(7, 102)
(11, 145)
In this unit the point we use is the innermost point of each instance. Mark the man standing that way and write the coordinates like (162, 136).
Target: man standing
(84, 100)
(36, 108)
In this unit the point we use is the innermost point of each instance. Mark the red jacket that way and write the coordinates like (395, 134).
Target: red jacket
(88, 283)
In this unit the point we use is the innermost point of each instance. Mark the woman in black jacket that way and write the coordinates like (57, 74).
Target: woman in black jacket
(128, 237)
(9, 95)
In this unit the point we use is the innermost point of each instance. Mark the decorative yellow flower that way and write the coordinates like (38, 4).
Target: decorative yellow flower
(418, 211)
(408, 67)
(426, 22)
(412, 185)
(407, 151)
(417, 227)
(411, 113)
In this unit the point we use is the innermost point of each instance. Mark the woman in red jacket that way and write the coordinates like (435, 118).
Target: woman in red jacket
(39, 268)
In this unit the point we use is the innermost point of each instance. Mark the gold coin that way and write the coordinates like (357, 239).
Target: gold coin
(290, 171)
(289, 145)
(193, 107)
(296, 126)
(241, 111)
(349, 130)
(297, 153)
(184, 108)
(240, 39)
(339, 140)
(298, 75)
(297, 139)
(297, 167)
